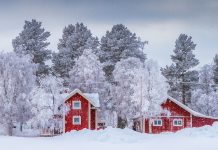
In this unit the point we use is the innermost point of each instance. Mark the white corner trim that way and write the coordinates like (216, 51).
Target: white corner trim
(64, 120)
(149, 124)
(143, 125)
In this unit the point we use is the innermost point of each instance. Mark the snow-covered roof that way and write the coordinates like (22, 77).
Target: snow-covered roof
(93, 98)
(194, 113)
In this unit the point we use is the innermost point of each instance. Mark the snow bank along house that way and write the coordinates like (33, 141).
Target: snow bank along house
(180, 116)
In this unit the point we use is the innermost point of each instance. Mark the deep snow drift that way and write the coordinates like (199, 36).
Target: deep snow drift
(204, 138)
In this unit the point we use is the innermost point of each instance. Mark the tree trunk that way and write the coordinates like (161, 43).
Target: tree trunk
(183, 95)
(10, 128)
(21, 127)
(121, 123)
(183, 91)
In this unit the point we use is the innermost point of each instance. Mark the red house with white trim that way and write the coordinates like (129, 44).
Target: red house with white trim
(81, 111)
(180, 116)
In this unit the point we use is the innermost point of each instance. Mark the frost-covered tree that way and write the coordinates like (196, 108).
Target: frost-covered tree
(75, 39)
(127, 74)
(215, 69)
(117, 44)
(204, 98)
(206, 79)
(154, 88)
(32, 41)
(181, 74)
(54, 87)
(87, 74)
(17, 79)
(139, 90)
(47, 99)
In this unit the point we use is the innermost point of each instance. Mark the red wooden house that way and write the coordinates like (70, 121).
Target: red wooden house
(81, 111)
(180, 116)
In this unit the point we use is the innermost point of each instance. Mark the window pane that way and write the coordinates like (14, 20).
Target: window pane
(76, 104)
(76, 120)
(155, 122)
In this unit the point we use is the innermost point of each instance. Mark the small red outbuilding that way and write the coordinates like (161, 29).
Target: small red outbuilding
(180, 116)
(80, 111)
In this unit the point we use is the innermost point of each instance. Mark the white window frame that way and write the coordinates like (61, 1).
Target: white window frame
(177, 120)
(76, 123)
(157, 125)
(76, 108)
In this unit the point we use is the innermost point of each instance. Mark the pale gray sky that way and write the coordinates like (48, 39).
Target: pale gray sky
(158, 21)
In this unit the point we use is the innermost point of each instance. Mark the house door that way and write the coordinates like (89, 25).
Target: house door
(93, 119)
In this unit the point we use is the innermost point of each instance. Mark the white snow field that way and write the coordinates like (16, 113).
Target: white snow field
(204, 138)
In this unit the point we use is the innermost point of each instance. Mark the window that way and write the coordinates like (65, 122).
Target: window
(157, 122)
(76, 120)
(177, 122)
(76, 105)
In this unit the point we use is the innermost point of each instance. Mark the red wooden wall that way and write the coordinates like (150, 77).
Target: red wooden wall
(93, 119)
(83, 112)
(167, 125)
(176, 112)
(174, 109)
(199, 122)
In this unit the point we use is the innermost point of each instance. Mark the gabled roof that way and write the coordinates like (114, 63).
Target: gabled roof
(93, 98)
(194, 113)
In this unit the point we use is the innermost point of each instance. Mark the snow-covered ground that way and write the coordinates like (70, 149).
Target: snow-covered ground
(204, 138)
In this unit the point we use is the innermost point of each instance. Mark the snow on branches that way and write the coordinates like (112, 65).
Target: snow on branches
(17, 79)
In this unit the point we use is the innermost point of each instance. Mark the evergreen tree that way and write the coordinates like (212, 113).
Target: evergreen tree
(180, 74)
(32, 41)
(75, 39)
(117, 44)
(215, 69)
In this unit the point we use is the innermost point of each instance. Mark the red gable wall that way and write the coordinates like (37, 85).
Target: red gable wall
(83, 112)
(174, 109)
